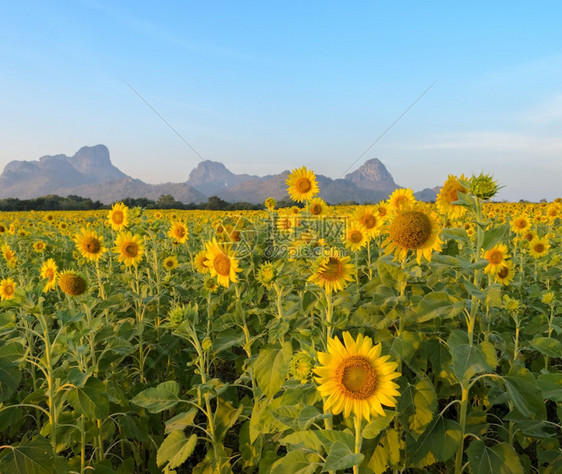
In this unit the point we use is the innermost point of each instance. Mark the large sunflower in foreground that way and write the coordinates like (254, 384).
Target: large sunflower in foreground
(49, 271)
(7, 289)
(413, 229)
(302, 184)
(354, 377)
(449, 194)
(89, 244)
(222, 263)
(332, 271)
(118, 217)
(129, 248)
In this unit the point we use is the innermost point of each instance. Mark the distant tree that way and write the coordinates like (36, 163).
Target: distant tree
(215, 203)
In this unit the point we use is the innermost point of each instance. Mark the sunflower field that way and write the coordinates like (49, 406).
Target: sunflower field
(397, 337)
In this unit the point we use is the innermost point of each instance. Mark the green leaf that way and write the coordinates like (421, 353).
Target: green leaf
(499, 459)
(303, 439)
(437, 444)
(468, 361)
(159, 398)
(29, 457)
(437, 305)
(551, 386)
(181, 420)
(525, 394)
(175, 449)
(329, 437)
(425, 403)
(341, 457)
(91, 400)
(270, 368)
(548, 346)
(494, 236)
(295, 462)
(489, 351)
(377, 425)
(10, 376)
(386, 454)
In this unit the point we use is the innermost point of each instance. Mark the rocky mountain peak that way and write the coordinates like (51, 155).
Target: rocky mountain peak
(372, 175)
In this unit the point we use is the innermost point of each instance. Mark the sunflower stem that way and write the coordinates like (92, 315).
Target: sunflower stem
(358, 439)
(329, 313)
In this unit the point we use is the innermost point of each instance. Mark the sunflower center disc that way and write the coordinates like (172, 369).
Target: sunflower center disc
(316, 209)
(49, 274)
(222, 264)
(539, 248)
(303, 185)
(357, 377)
(131, 250)
(369, 221)
(92, 245)
(180, 232)
(117, 217)
(410, 229)
(503, 272)
(495, 257)
(9, 290)
(333, 269)
(356, 236)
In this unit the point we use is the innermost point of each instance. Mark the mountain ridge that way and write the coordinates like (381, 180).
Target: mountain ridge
(90, 173)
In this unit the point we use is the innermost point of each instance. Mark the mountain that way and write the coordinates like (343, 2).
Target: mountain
(90, 173)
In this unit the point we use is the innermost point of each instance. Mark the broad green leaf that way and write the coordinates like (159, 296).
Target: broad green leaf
(524, 392)
(551, 386)
(386, 454)
(494, 236)
(181, 420)
(134, 428)
(489, 351)
(377, 425)
(270, 368)
(437, 444)
(159, 398)
(425, 403)
(91, 400)
(468, 361)
(309, 415)
(304, 439)
(29, 457)
(175, 449)
(10, 376)
(341, 457)
(329, 437)
(498, 459)
(437, 305)
(296, 462)
(548, 346)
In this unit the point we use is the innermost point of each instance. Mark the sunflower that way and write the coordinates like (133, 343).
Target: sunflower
(211, 285)
(530, 235)
(222, 263)
(89, 244)
(496, 257)
(7, 289)
(170, 263)
(2, 229)
(538, 247)
(72, 283)
(332, 272)
(178, 232)
(354, 378)
(369, 218)
(448, 195)
(302, 184)
(413, 229)
(129, 247)
(317, 207)
(200, 262)
(520, 225)
(49, 271)
(267, 274)
(270, 203)
(39, 246)
(505, 273)
(118, 217)
(355, 237)
(401, 198)
(9, 255)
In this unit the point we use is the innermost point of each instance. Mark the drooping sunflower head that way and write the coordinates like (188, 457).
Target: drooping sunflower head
(118, 217)
(222, 263)
(178, 232)
(353, 377)
(302, 185)
(413, 229)
(332, 272)
(170, 263)
(129, 248)
(50, 273)
(496, 257)
(72, 283)
(200, 262)
(7, 289)
(449, 194)
(538, 247)
(401, 198)
(89, 244)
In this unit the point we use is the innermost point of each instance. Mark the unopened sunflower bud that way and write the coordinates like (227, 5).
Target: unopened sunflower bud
(484, 186)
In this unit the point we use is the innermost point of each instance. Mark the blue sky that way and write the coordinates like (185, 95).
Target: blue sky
(269, 86)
